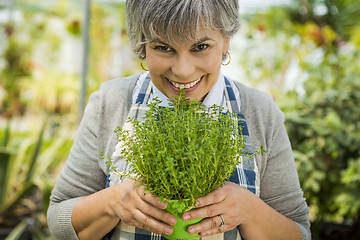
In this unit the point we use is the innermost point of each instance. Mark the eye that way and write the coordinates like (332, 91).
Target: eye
(200, 47)
(162, 48)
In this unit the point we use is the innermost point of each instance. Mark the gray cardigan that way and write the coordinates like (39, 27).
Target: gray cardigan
(85, 172)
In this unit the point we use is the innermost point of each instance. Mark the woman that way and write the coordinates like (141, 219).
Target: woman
(183, 43)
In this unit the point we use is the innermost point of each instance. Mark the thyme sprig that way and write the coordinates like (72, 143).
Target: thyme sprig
(184, 151)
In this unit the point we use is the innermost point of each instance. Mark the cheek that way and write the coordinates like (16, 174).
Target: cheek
(212, 64)
(156, 64)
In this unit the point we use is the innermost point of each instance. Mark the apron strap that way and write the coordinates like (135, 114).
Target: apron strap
(231, 101)
(145, 91)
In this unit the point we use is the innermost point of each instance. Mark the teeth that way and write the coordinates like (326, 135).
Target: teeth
(185, 86)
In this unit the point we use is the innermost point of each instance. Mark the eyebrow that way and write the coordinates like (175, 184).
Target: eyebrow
(156, 40)
(201, 41)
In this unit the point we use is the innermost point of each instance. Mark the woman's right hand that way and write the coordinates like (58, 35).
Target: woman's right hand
(137, 208)
(97, 214)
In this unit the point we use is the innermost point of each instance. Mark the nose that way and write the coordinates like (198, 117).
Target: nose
(183, 66)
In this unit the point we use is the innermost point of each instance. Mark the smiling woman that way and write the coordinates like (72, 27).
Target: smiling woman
(193, 65)
(183, 43)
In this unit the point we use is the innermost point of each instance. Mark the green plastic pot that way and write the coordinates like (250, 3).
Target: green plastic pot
(180, 229)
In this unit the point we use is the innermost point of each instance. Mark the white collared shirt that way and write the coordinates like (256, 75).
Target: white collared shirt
(215, 96)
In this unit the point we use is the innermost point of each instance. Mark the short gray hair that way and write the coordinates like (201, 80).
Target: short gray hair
(178, 20)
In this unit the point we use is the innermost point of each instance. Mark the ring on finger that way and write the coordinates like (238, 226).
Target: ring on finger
(222, 221)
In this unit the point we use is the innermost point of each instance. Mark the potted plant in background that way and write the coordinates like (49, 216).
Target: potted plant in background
(181, 153)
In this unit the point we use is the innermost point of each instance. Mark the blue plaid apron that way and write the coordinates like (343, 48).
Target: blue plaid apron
(246, 173)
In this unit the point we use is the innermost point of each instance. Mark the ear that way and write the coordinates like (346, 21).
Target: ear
(143, 52)
(226, 45)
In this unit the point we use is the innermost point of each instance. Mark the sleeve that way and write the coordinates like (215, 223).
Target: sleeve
(81, 175)
(280, 187)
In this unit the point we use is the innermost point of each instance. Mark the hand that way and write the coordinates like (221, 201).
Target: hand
(230, 201)
(140, 209)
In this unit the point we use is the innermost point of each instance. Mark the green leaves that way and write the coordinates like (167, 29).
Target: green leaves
(323, 126)
(184, 151)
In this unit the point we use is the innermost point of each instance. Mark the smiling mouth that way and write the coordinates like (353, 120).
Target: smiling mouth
(186, 85)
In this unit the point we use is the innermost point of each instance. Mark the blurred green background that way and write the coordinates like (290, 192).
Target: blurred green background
(304, 53)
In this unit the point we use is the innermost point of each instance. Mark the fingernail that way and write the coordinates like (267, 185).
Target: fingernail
(197, 204)
(163, 204)
(186, 217)
(172, 221)
(169, 231)
(192, 230)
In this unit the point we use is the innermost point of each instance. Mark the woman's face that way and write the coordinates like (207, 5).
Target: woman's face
(193, 65)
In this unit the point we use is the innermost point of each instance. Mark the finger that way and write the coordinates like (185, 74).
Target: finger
(206, 225)
(213, 231)
(152, 211)
(207, 211)
(215, 196)
(155, 201)
(149, 223)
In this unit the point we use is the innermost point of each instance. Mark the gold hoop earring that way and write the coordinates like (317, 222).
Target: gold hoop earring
(225, 64)
(142, 66)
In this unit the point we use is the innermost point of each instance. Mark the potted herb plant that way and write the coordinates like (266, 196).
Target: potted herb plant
(181, 153)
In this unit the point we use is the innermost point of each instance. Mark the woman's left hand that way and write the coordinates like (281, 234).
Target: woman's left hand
(231, 201)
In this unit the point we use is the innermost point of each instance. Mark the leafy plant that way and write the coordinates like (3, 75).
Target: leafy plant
(27, 165)
(17, 67)
(324, 128)
(182, 152)
(341, 15)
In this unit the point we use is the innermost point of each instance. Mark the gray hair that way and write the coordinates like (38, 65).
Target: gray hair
(178, 20)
